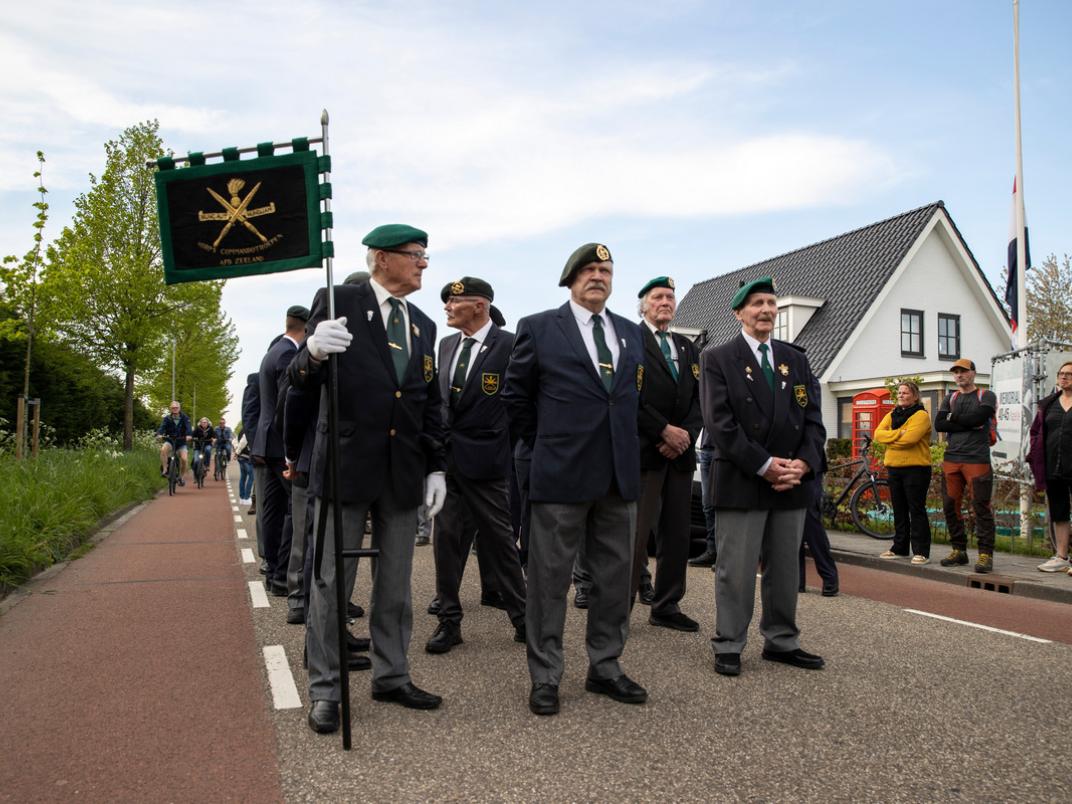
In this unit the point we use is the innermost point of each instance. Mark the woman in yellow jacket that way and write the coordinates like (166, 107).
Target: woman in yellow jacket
(906, 432)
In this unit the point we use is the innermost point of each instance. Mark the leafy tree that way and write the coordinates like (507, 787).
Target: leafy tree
(1049, 300)
(105, 277)
(21, 282)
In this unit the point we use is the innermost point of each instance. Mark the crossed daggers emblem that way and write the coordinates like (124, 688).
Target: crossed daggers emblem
(237, 210)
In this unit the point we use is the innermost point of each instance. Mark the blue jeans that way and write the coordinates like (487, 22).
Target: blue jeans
(706, 458)
(245, 480)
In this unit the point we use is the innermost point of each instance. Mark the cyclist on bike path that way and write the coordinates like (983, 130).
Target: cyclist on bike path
(203, 436)
(175, 430)
(224, 436)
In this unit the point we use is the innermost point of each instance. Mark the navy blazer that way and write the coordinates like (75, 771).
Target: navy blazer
(664, 400)
(301, 410)
(269, 440)
(390, 433)
(251, 408)
(478, 429)
(582, 436)
(747, 423)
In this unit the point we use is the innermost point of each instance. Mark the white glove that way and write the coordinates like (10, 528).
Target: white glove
(435, 492)
(329, 338)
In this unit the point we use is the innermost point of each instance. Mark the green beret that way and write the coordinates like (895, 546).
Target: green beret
(357, 278)
(297, 311)
(764, 284)
(467, 286)
(589, 252)
(657, 282)
(392, 235)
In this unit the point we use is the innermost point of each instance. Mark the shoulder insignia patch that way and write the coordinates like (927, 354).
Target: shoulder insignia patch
(429, 368)
(489, 382)
(640, 378)
(800, 394)
(696, 370)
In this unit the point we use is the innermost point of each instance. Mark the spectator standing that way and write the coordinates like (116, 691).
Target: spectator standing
(906, 433)
(245, 469)
(1050, 459)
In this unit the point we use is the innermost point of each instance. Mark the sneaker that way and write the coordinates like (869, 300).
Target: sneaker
(890, 555)
(1055, 564)
(919, 560)
(955, 557)
(985, 563)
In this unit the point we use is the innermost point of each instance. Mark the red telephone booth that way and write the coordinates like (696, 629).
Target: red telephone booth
(868, 409)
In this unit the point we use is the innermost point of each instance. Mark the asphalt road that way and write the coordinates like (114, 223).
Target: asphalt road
(909, 708)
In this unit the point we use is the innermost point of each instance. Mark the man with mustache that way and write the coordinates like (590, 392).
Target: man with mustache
(766, 431)
(572, 389)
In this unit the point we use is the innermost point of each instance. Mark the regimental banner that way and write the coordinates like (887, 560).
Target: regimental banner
(240, 217)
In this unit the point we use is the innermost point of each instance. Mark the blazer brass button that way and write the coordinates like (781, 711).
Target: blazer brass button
(393, 431)
(398, 394)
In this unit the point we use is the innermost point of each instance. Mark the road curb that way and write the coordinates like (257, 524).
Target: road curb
(1018, 586)
(104, 528)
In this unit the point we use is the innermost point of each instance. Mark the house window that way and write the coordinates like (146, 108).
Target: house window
(912, 333)
(948, 336)
(781, 326)
(844, 405)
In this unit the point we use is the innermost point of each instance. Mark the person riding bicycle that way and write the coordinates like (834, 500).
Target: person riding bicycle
(224, 438)
(203, 436)
(174, 429)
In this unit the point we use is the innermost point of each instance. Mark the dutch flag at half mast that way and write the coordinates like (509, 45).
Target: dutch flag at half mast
(1012, 296)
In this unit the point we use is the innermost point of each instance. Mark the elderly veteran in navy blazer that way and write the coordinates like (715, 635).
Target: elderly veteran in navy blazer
(472, 367)
(390, 457)
(572, 389)
(669, 423)
(767, 437)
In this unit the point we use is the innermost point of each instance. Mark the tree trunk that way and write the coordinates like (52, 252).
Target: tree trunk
(26, 371)
(128, 411)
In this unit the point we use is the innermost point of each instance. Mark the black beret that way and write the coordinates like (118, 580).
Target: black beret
(299, 312)
(589, 252)
(497, 317)
(394, 234)
(467, 286)
(764, 284)
(657, 282)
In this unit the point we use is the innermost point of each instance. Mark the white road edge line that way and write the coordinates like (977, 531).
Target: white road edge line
(258, 595)
(234, 508)
(247, 556)
(237, 518)
(284, 691)
(242, 533)
(981, 627)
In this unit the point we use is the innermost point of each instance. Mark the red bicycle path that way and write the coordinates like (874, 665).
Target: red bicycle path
(133, 673)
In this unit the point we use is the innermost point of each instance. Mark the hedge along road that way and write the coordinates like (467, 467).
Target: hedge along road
(133, 674)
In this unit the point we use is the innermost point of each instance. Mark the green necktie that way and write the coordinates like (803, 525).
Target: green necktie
(396, 338)
(458, 381)
(768, 372)
(606, 360)
(665, 346)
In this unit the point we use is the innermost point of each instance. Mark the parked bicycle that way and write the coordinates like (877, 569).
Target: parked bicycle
(868, 495)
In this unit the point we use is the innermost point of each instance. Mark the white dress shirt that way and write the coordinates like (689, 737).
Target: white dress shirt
(753, 344)
(382, 297)
(584, 321)
(477, 336)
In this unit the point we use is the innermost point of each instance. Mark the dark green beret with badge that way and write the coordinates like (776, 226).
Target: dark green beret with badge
(299, 312)
(357, 278)
(392, 235)
(467, 286)
(657, 282)
(589, 252)
(764, 284)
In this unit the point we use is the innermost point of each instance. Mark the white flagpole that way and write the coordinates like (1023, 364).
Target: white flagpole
(1021, 238)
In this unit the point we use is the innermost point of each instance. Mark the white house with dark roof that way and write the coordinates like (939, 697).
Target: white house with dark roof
(903, 296)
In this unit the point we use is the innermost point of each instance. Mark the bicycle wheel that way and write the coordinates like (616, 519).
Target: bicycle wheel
(871, 510)
(173, 474)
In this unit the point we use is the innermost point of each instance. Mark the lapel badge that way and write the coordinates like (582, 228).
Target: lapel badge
(489, 382)
(370, 314)
(784, 369)
(783, 385)
(416, 330)
(483, 348)
(696, 371)
(800, 394)
(428, 368)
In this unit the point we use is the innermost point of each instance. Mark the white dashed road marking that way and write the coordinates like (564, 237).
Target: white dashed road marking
(258, 595)
(247, 556)
(237, 518)
(977, 625)
(242, 533)
(234, 508)
(284, 691)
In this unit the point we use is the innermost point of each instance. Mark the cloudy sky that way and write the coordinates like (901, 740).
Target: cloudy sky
(692, 137)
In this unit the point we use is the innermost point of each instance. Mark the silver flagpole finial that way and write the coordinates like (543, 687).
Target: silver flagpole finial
(324, 117)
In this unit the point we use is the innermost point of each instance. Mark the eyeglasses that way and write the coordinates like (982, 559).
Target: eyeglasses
(1065, 375)
(416, 256)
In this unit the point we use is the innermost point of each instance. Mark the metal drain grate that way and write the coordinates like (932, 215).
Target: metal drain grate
(991, 583)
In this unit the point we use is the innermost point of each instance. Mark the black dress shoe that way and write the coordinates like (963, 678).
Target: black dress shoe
(446, 636)
(493, 599)
(520, 633)
(728, 664)
(676, 620)
(580, 599)
(705, 559)
(797, 658)
(252, 511)
(409, 696)
(263, 568)
(356, 644)
(295, 616)
(543, 700)
(801, 589)
(353, 611)
(434, 606)
(830, 590)
(324, 717)
(622, 689)
(358, 661)
(647, 594)
(274, 588)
